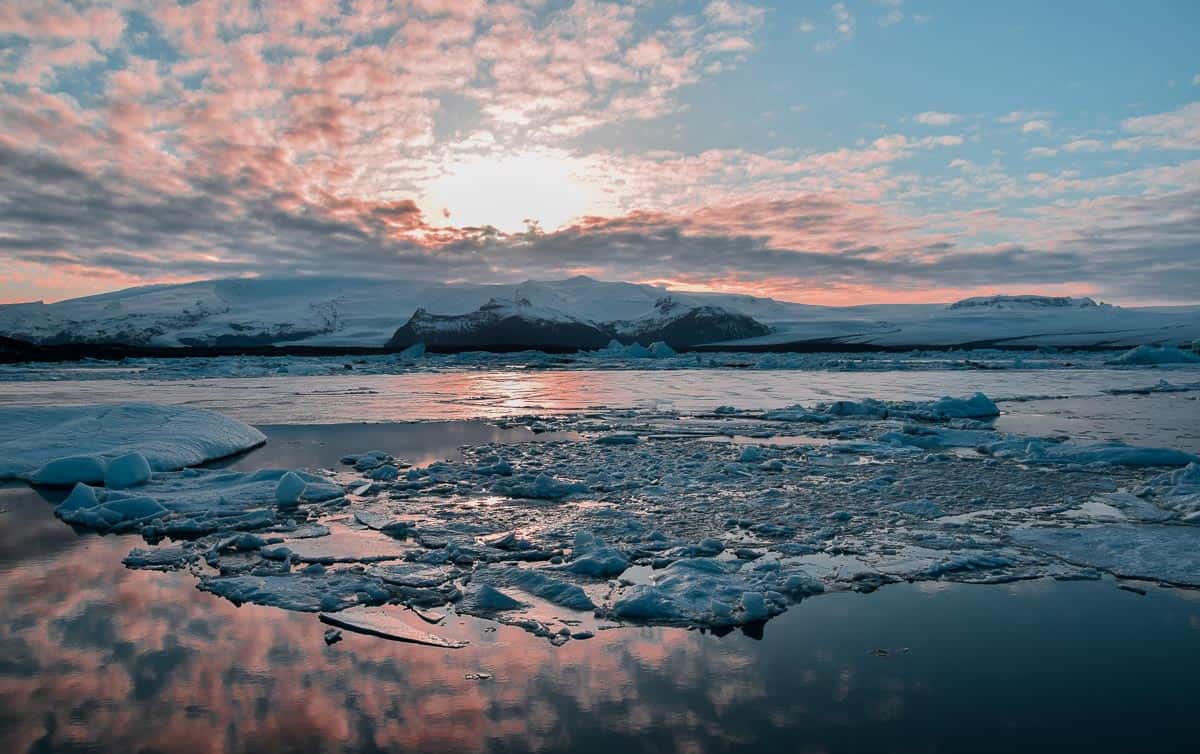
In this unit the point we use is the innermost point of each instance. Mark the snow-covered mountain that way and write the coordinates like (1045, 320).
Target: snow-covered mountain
(563, 314)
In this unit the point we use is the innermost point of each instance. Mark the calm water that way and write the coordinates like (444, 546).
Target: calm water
(95, 657)
(504, 392)
(1170, 419)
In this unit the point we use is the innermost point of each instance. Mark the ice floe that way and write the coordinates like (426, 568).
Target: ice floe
(714, 520)
(65, 445)
(1147, 355)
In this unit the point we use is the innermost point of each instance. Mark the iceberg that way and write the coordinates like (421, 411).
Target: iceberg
(61, 446)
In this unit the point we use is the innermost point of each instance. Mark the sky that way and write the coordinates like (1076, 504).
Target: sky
(831, 153)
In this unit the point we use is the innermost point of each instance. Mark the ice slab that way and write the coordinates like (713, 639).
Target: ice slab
(311, 590)
(385, 626)
(64, 445)
(190, 503)
(1152, 552)
(1152, 355)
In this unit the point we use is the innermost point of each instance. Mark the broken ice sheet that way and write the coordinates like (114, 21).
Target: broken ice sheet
(559, 537)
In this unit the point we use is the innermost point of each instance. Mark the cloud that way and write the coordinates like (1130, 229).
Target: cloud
(1019, 116)
(843, 28)
(893, 15)
(311, 136)
(1178, 129)
(935, 118)
(814, 245)
(731, 13)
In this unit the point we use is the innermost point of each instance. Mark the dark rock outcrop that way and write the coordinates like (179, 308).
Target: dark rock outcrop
(499, 326)
(504, 326)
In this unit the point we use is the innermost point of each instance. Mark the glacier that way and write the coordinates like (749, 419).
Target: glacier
(564, 315)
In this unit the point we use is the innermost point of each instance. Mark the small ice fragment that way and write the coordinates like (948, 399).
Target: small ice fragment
(754, 607)
(128, 470)
(919, 508)
(1152, 355)
(750, 454)
(332, 636)
(591, 557)
(486, 598)
(63, 471)
(618, 438)
(289, 489)
(429, 616)
(374, 623)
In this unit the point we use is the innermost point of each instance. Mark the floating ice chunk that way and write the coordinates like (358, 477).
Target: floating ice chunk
(918, 508)
(65, 445)
(754, 607)
(305, 591)
(918, 563)
(385, 473)
(751, 454)
(383, 522)
(1140, 551)
(634, 350)
(289, 489)
(930, 437)
(978, 406)
(160, 558)
(385, 626)
(796, 413)
(1178, 490)
(867, 407)
(660, 350)
(107, 510)
(591, 557)
(414, 575)
(189, 503)
(705, 591)
(65, 471)
(494, 466)
(1112, 453)
(1151, 355)
(128, 470)
(415, 351)
(1127, 506)
(367, 461)
(618, 438)
(537, 583)
(541, 487)
(485, 598)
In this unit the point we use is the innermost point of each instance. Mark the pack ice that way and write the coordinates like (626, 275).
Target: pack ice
(712, 520)
(119, 445)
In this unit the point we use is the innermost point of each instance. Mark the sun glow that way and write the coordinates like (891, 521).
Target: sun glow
(505, 192)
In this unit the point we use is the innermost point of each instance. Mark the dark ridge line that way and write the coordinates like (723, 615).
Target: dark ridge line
(13, 351)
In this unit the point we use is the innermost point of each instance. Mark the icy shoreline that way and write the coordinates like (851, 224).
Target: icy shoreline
(652, 519)
(634, 357)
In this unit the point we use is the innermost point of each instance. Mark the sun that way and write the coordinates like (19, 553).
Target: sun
(509, 191)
